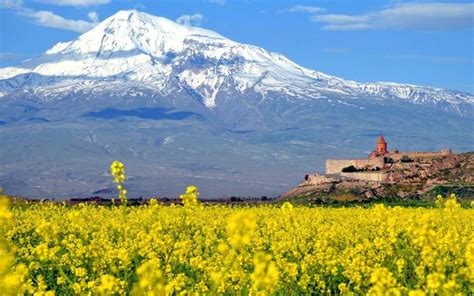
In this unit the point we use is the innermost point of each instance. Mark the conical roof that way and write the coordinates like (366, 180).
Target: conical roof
(381, 140)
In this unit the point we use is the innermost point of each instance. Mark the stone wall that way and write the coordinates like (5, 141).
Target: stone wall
(413, 155)
(334, 166)
(316, 179)
(366, 176)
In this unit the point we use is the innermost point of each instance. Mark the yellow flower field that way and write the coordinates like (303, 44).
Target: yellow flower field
(51, 249)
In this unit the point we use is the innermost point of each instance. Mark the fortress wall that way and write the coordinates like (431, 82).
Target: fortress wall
(316, 179)
(370, 163)
(365, 176)
(334, 166)
(397, 156)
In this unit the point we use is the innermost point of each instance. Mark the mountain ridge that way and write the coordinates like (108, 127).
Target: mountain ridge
(135, 46)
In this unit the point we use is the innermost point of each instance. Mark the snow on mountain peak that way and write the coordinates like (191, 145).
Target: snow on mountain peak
(132, 30)
(132, 46)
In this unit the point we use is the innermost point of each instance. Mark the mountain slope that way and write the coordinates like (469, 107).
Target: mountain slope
(162, 55)
(182, 105)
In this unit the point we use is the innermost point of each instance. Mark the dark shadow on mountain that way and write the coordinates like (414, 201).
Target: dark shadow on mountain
(2, 122)
(103, 191)
(28, 108)
(102, 55)
(144, 113)
(196, 59)
(240, 131)
(38, 119)
(21, 80)
(290, 129)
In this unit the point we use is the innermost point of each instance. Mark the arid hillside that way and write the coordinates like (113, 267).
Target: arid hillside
(421, 178)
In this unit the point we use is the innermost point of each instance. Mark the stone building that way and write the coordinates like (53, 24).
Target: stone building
(374, 168)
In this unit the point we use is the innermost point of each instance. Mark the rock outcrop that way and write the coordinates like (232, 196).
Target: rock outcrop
(409, 179)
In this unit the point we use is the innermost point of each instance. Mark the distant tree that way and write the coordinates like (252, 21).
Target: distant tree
(349, 169)
(405, 158)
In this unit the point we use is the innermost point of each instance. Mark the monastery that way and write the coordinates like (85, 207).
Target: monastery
(374, 168)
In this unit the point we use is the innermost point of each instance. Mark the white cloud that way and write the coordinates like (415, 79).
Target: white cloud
(11, 4)
(9, 56)
(48, 19)
(306, 9)
(139, 6)
(417, 16)
(431, 58)
(220, 2)
(79, 3)
(190, 20)
(342, 18)
(93, 16)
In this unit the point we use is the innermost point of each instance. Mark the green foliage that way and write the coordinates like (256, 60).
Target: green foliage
(350, 169)
(465, 193)
(405, 158)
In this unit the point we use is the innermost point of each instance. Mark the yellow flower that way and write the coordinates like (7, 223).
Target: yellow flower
(439, 200)
(343, 288)
(60, 280)
(117, 169)
(451, 203)
(259, 249)
(400, 265)
(191, 189)
(287, 207)
(4, 212)
(450, 285)
(265, 275)
(434, 281)
(240, 229)
(108, 285)
(383, 282)
(150, 279)
(190, 198)
(416, 293)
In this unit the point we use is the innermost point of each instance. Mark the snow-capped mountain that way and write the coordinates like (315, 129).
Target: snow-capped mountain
(161, 55)
(182, 105)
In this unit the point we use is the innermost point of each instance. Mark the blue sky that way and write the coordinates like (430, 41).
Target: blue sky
(426, 43)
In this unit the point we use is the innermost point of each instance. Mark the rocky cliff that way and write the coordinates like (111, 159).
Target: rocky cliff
(420, 178)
